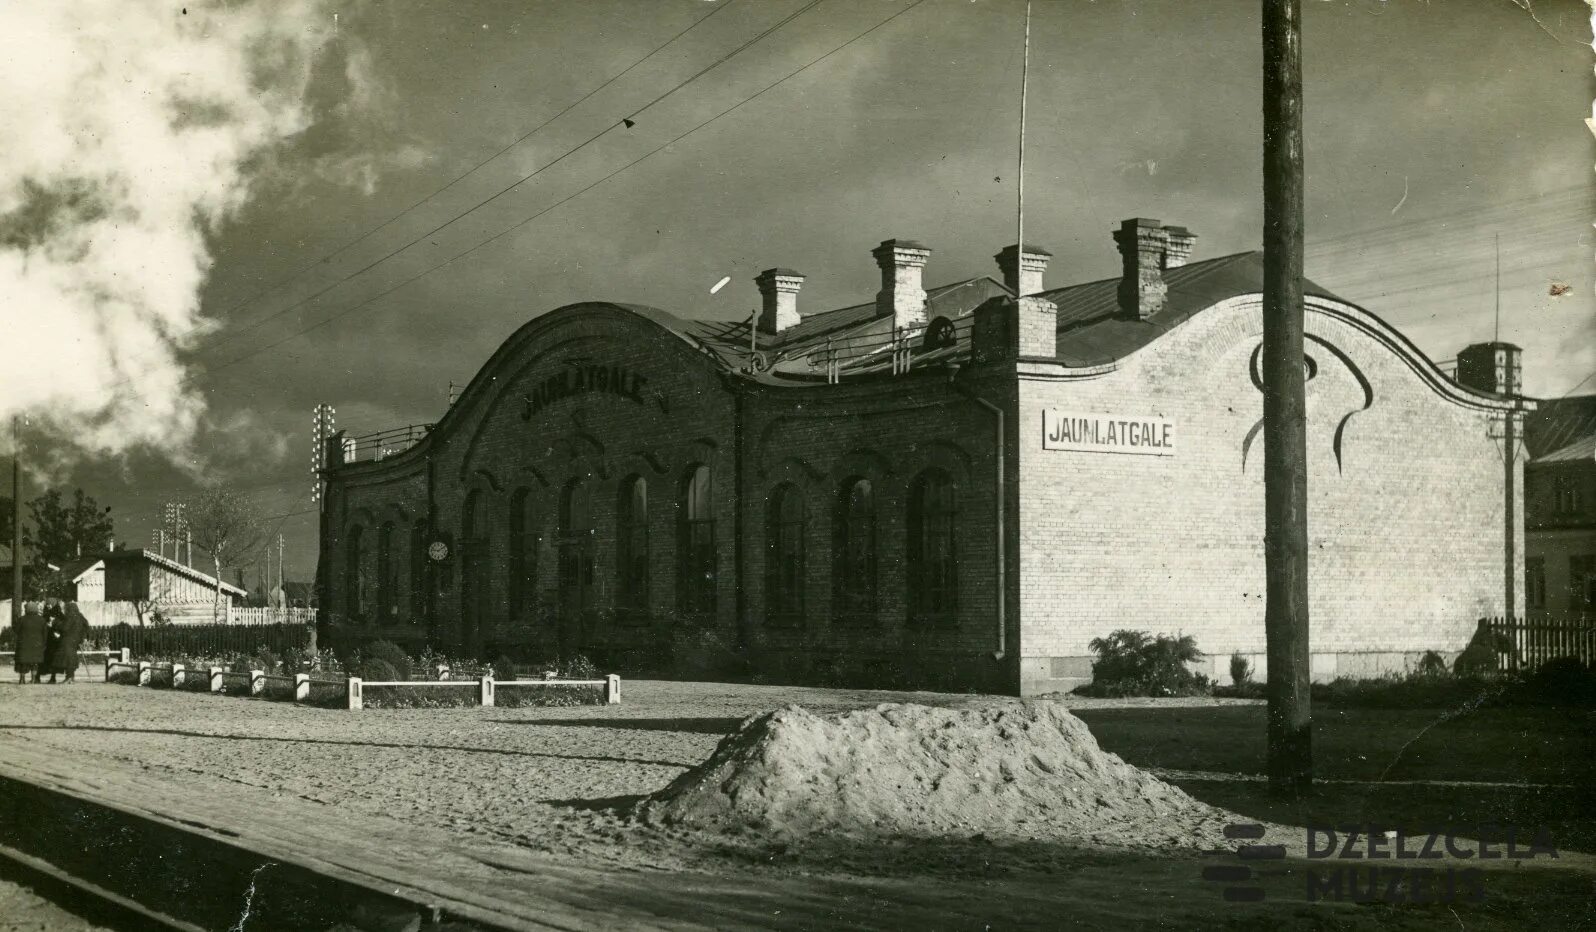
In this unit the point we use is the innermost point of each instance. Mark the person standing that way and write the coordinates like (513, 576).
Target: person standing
(52, 638)
(31, 636)
(73, 629)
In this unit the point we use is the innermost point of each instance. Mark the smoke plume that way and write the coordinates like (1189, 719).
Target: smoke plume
(132, 129)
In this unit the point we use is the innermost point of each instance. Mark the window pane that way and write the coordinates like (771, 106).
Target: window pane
(631, 547)
(855, 570)
(784, 555)
(933, 563)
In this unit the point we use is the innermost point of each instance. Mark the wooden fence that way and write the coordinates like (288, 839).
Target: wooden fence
(1526, 643)
(255, 682)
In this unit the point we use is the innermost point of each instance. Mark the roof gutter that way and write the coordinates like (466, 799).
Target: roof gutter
(1001, 537)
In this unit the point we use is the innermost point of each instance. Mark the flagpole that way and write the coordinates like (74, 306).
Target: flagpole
(1025, 73)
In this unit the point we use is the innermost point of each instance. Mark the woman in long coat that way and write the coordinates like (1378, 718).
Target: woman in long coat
(52, 638)
(73, 627)
(31, 636)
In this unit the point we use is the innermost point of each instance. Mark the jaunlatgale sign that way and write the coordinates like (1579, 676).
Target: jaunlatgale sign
(1107, 433)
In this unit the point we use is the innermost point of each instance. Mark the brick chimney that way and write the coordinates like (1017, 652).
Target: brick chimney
(1023, 277)
(1143, 245)
(779, 289)
(1491, 367)
(902, 293)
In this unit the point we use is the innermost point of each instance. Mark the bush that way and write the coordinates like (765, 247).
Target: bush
(1563, 681)
(1481, 656)
(392, 654)
(1240, 670)
(266, 661)
(378, 671)
(1135, 663)
(1431, 664)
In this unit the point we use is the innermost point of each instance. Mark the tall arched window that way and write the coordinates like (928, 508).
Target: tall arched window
(631, 548)
(784, 556)
(474, 549)
(523, 553)
(354, 574)
(387, 577)
(933, 563)
(854, 553)
(576, 548)
(418, 573)
(697, 550)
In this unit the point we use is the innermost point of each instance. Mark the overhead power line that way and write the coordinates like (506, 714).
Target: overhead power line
(227, 332)
(460, 255)
(532, 174)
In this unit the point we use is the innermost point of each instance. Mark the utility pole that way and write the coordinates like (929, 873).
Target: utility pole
(280, 564)
(1290, 757)
(16, 519)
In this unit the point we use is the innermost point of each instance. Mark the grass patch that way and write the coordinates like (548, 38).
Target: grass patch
(1400, 767)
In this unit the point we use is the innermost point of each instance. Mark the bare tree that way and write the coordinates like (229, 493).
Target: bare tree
(225, 525)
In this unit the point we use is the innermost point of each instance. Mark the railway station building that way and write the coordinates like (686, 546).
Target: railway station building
(952, 486)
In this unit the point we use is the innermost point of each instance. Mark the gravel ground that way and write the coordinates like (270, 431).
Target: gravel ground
(558, 780)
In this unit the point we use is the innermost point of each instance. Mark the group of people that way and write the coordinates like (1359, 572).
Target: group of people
(48, 636)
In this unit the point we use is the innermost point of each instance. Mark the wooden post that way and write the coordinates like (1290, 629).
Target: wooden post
(216, 679)
(144, 673)
(485, 690)
(178, 671)
(1290, 755)
(301, 687)
(612, 689)
(356, 698)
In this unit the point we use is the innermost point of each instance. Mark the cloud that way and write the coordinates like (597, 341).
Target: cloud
(134, 129)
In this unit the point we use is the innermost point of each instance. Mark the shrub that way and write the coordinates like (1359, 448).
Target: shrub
(378, 671)
(392, 654)
(1563, 681)
(1135, 663)
(1481, 656)
(266, 661)
(1240, 670)
(1431, 665)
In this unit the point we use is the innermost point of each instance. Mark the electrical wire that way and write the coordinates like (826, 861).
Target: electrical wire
(433, 268)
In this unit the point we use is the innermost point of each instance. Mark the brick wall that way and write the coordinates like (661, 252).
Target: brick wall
(1406, 529)
(688, 413)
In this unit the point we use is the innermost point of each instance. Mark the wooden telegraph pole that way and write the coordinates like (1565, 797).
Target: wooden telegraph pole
(16, 520)
(1290, 763)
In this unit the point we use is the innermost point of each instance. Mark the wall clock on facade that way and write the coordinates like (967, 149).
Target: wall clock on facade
(438, 551)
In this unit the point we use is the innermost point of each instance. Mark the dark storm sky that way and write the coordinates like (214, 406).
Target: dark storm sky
(1431, 127)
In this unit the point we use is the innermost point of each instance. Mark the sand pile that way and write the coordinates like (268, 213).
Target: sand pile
(1023, 769)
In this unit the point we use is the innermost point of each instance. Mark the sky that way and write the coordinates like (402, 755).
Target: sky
(220, 217)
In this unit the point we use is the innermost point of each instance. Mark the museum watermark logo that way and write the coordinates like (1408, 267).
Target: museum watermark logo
(1373, 864)
(1237, 875)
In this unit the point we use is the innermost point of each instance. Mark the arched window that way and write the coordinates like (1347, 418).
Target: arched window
(418, 573)
(387, 577)
(354, 573)
(631, 548)
(697, 551)
(576, 548)
(474, 550)
(523, 553)
(933, 563)
(854, 566)
(784, 556)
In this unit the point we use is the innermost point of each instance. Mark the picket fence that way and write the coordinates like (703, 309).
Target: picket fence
(1526, 643)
